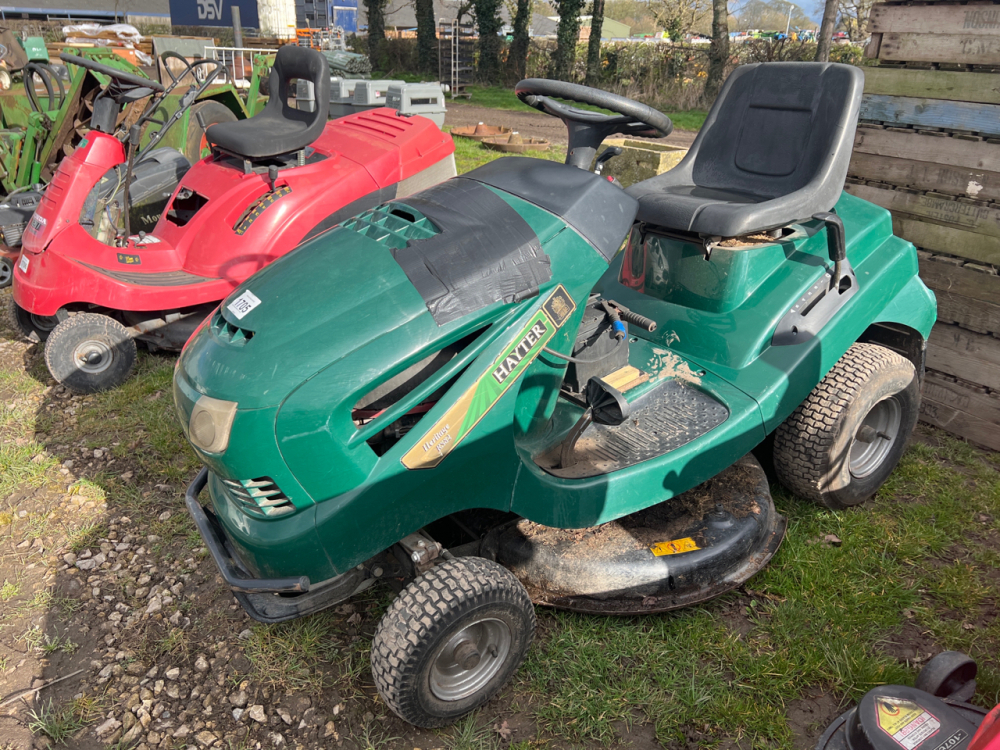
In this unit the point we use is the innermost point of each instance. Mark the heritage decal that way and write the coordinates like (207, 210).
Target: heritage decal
(476, 402)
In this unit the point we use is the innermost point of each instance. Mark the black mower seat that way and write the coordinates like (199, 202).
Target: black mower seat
(773, 151)
(280, 129)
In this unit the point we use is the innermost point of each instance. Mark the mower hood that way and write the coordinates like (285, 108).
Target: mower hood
(390, 283)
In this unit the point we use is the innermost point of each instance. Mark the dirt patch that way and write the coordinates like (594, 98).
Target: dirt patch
(534, 124)
(809, 717)
(911, 645)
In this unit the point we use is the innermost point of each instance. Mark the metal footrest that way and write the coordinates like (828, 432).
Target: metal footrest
(671, 415)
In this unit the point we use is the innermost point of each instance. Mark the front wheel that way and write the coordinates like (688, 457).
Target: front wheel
(451, 640)
(33, 327)
(89, 352)
(840, 445)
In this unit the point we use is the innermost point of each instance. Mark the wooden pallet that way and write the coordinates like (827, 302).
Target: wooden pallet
(961, 408)
(937, 33)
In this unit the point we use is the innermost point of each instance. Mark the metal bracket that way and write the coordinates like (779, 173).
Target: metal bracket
(422, 550)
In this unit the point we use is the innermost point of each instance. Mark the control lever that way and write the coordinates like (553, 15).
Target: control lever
(605, 405)
(634, 318)
(616, 322)
(609, 153)
(836, 240)
(272, 175)
(133, 143)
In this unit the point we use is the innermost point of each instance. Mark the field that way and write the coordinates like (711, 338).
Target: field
(105, 586)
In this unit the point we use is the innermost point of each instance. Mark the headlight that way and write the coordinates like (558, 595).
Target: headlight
(211, 421)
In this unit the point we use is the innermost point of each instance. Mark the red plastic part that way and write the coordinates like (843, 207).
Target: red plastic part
(364, 152)
(988, 736)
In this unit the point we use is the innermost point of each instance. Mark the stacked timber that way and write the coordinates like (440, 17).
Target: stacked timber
(928, 149)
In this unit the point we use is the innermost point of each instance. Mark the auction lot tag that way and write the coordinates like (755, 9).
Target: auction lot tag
(23, 265)
(674, 547)
(905, 721)
(243, 304)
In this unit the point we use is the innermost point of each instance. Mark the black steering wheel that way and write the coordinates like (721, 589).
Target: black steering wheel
(588, 129)
(119, 75)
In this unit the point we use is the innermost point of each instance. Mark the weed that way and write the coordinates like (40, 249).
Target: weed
(9, 590)
(86, 535)
(57, 723)
(287, 655)
(467, 734)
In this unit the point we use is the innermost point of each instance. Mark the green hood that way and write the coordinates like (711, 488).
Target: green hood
(303, 321)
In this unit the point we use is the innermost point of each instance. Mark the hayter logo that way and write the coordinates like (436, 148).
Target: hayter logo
(520, 351)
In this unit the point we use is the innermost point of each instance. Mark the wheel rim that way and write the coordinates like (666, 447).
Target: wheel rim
(470, 659)
(93, 357)
(875, 437)
(6, 272)
(43, 323)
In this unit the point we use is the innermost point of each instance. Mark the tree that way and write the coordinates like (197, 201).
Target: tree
(826, 31)
(375, 9)
(426, 36)
(517, 55)
(567, 36)
(678, 17)
(489, 26)
(854, 17)
(594, 44)
(771, 16)
(718, 50)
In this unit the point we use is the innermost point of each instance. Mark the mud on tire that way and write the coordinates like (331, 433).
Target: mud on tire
(840, 445)
(451, 640)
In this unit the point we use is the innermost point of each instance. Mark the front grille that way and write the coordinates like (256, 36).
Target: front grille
(228, 333)
(259, 497)
(156, 278)
(393, 224)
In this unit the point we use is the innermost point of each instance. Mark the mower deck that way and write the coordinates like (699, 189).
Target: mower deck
(687, 550)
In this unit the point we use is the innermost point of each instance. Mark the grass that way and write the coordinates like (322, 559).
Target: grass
(825, 618)
(470, 154)
(58, 723)
(498, 97)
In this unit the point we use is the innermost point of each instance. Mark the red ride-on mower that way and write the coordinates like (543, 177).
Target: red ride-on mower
(934, 715)
(272, 181)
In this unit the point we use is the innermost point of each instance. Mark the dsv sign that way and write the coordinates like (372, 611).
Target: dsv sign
(209, 10)
(212, 12)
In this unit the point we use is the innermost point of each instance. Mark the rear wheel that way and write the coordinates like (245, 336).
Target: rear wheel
(6, 271)
(950, 673)
(33, 327)
(212, 112)
(88, 352)
(451, 640)
(840, 445)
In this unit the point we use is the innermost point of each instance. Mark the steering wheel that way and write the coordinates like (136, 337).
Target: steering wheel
(119, 75)
(195, 68)
(588, 129)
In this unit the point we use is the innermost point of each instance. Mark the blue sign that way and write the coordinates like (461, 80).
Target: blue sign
(213, 13)
(345, 15)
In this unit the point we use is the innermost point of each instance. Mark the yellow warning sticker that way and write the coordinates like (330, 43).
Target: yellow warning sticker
(906, 722)
(675, 547)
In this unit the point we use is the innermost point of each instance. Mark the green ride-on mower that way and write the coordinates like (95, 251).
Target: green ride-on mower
(528, 385)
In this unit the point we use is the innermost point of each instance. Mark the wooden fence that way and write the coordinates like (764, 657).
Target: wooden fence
(928, 149)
